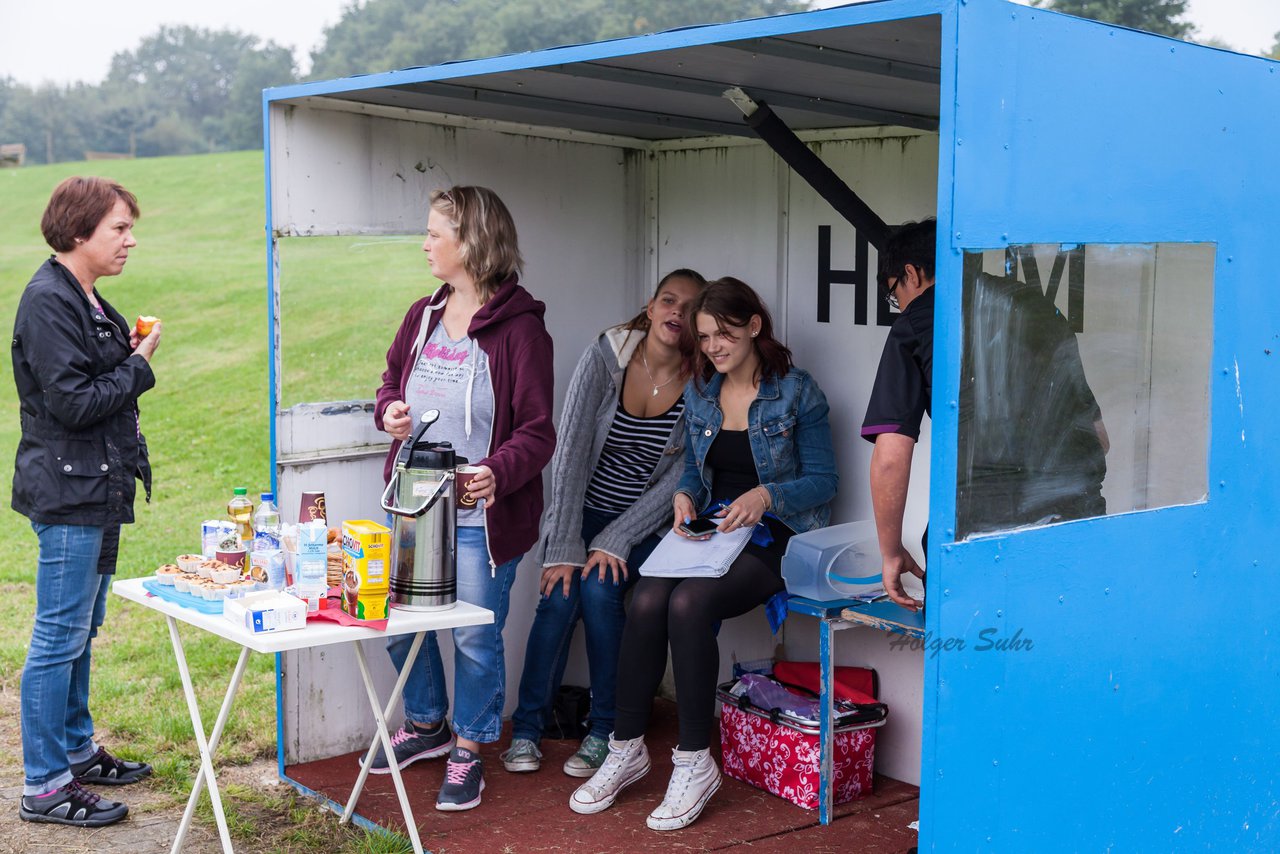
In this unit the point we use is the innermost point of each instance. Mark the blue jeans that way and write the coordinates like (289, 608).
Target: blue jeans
(599, 604)
(479, 668)
(71, 602)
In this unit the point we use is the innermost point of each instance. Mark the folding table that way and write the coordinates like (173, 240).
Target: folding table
(315, 634)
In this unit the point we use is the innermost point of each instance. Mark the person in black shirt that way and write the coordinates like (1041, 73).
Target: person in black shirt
(1031, 443)
(902, 394)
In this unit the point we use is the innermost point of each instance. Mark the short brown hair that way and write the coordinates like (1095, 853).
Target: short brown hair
(487, 242)
(732, 302)
(76, 207)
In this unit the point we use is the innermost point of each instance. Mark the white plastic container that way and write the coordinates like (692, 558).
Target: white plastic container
(266, 611)
(830, 564)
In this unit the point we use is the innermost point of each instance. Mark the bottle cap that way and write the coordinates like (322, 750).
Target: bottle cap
(240, 490)
(267, 496)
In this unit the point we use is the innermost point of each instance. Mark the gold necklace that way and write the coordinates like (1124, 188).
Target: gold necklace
(656, 385)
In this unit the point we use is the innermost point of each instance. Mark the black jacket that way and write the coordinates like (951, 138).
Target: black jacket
(78, 387)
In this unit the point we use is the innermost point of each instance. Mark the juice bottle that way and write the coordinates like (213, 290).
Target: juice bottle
(240, 509)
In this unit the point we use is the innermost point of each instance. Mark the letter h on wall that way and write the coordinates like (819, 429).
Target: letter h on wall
(858, 277)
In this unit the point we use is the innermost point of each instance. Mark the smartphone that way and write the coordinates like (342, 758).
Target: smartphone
(701, 526)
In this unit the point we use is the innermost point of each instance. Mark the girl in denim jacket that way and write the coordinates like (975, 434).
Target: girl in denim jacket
(760, 450)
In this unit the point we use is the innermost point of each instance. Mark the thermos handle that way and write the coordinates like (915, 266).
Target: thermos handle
(388, 496)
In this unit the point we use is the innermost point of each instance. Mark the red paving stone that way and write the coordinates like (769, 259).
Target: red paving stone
(525, 813)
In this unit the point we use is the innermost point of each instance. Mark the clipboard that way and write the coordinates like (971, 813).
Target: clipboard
(677, 556)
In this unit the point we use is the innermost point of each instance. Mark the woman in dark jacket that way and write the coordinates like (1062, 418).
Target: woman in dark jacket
(79, 367)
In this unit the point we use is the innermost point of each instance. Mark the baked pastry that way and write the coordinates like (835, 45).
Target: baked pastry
(166, 573)
(225, 573)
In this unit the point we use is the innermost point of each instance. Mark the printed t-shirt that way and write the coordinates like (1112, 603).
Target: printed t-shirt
(453, 377)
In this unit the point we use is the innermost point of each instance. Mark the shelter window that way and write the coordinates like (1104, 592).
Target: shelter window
(342, 298)
(1085, 382)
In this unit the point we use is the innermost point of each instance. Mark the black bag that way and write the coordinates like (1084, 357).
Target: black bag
(569, 711)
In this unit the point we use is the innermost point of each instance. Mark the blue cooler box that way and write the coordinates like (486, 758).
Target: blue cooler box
(829, 564)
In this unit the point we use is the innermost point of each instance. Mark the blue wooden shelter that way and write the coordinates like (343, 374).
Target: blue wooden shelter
(1106, 683)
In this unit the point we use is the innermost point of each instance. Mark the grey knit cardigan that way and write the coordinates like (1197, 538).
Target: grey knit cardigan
(589, 407)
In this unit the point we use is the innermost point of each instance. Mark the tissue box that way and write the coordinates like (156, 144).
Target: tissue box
(267, 611)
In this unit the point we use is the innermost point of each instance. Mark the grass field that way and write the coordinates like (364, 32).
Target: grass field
(200, 265)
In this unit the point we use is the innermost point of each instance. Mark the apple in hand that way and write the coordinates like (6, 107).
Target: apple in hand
(144, 324)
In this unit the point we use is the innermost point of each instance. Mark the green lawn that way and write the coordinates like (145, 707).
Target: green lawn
(200, 265)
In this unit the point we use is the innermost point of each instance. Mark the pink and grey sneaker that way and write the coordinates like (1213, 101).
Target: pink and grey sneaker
(411, 744)
(463, 782)
(71, 804)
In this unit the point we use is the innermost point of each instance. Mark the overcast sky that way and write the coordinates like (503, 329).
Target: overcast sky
(69, 40)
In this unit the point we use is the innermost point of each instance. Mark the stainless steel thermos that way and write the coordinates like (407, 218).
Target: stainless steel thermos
(424, 537)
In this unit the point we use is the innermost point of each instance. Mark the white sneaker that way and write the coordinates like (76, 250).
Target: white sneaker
(627, 762)
(694, 779)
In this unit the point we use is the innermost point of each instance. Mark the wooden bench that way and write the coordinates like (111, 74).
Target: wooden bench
(833, 616)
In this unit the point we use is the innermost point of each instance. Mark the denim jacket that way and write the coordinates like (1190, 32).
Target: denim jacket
(790, 441)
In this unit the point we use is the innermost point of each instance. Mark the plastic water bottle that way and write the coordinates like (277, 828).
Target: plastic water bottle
(240, 509)
(266, 525)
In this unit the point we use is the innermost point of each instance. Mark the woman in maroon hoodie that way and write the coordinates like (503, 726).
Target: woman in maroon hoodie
(477, 351)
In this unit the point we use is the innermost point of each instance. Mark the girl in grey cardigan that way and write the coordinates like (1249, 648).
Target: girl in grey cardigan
(617, 462)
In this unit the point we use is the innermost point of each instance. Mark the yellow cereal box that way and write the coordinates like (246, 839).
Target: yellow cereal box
(366, 564)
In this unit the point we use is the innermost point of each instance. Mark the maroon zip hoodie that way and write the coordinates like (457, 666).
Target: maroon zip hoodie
(510, 331)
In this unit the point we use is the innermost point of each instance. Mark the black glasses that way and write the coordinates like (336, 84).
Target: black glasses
(889, 284)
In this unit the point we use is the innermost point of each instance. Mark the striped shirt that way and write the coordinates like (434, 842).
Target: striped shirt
(630, 454)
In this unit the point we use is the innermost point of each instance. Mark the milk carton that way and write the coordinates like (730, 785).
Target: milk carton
(312, 563)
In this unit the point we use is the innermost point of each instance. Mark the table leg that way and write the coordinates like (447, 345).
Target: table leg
(214, 739)
(206, 753)
(373, 744)
(381, 718)
(826, 728)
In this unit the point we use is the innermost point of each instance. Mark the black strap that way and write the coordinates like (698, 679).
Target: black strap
(817, 174)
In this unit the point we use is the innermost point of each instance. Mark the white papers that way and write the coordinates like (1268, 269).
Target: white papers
(680, 557)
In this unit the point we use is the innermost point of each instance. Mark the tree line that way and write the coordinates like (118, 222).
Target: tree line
(185, 90)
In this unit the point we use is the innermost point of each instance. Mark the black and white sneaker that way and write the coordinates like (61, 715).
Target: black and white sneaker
(71, 804)
(463, 782)
(103, 769)
(411, 744)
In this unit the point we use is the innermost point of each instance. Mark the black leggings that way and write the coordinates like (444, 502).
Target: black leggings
(684, 612)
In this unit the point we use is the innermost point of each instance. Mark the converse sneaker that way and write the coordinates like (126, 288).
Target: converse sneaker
(411, 744)
(694, 779)
(523, 755)
(627, 762)
(463, 781)
(103, 769)
(590, 756)
(71, 804)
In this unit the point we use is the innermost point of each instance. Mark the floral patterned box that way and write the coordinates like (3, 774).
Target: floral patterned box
(784, 761)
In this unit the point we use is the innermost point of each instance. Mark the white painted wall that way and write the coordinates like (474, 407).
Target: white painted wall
(598, 225)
